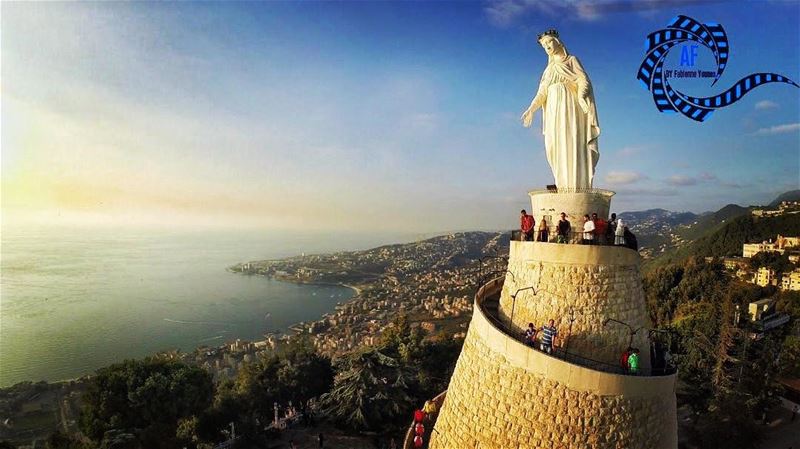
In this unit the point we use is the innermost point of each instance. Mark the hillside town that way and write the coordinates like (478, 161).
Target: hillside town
(430, 281)
(784, 276)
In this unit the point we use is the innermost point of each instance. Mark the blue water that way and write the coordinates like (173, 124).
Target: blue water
(73, 300)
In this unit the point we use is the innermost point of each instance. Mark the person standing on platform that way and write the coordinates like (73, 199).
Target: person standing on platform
(563, 229)
(610, 229)
(526, 224)
(619, 233)
(600, 226)
(549, 334)
(430, 410)
(530, 335)
(623, 360)
(543, 230)
(633, 362)
(588, 231)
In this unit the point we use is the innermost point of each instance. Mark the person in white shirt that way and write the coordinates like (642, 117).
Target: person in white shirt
(588, 231)
(619, 233)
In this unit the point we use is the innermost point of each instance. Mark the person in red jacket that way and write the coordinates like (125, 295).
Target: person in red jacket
(600, 226)
(526, 224)
(623, 360)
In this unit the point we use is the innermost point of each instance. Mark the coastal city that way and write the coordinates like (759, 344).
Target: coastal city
(431, 282)
(380, 225)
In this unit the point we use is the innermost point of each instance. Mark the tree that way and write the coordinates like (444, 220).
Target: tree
(725, 341)
(772, 260)
(431, 361)
(257, 385)
(297, 375)
(789, 302)
(370, 392)
(303, 373)
(790, 356)
(659, 287)
(145, 398)
(728, 425)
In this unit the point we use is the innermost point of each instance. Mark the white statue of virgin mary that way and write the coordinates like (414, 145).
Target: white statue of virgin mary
(569, 116)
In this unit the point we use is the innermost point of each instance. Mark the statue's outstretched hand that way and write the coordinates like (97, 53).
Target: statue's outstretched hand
(527, 118)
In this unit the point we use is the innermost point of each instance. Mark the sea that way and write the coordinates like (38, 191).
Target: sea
(75, 299)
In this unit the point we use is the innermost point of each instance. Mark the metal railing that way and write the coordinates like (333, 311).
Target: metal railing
(573, 237)
(575, 190)
(559, 353)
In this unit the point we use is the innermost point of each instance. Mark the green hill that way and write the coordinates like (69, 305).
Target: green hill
(710, 222)
(727, 240)
(792, 195)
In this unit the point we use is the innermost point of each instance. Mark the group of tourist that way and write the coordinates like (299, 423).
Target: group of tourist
(596, 230)
(547, 341)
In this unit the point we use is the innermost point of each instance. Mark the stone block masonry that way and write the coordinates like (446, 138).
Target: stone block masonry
(505, 395)
(586, 283)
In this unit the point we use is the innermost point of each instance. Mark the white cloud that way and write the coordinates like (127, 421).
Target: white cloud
(624, 177)
(766, 104)
(706, 176)
(629, 150)
(778, 129)
(647, 192)
(681, 180)
(505, 12)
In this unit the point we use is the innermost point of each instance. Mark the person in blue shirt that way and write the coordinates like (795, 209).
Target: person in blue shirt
(549, 334)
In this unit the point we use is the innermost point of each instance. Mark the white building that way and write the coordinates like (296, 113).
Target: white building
(791, 281)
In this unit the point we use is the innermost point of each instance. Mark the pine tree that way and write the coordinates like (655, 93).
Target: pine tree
(371, 391)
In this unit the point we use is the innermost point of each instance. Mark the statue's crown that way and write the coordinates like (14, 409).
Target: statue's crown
(551, 32)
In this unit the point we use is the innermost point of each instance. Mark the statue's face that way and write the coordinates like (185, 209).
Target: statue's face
(551, 45)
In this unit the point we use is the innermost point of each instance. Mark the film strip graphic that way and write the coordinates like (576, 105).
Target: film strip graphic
(711, 35)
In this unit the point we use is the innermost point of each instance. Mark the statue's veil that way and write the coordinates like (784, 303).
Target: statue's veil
(561, 43)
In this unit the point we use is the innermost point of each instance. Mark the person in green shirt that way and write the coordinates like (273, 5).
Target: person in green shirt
(633, 362)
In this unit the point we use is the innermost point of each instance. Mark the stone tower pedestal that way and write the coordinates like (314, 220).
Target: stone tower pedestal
(504, 394)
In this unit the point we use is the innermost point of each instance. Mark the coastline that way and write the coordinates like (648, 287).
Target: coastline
(285, 332)
(355, 289)
(297, 328)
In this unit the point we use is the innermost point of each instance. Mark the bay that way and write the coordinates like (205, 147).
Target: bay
(76, 299)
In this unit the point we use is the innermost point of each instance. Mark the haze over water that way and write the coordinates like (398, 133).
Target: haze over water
(73, 300)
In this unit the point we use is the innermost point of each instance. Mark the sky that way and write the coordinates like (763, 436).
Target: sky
(386, 116)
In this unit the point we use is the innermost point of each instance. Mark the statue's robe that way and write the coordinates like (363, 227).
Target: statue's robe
(570, 133)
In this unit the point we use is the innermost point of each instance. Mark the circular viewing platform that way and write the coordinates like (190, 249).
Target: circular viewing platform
(506, 394)
(511, 342)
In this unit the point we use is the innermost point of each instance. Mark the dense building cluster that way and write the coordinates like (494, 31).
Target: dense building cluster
(785, 278)
(784, 208)
(431, 281)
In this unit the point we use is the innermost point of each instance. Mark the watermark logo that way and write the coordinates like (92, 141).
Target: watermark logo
(683, 29)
